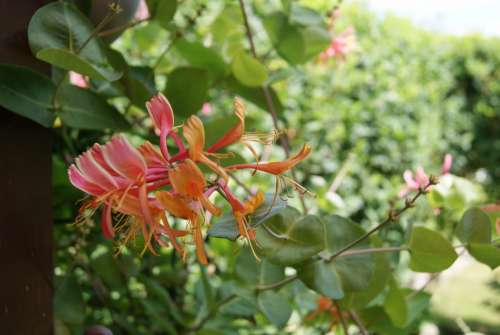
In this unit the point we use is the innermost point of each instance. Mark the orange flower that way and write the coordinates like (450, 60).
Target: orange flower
(188, 180)
(194, 132)
(276, 168)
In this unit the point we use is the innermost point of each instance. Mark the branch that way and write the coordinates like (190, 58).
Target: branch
(359, 323)
(342, 320)
(371, 251)
(391, 217)
(127, 25)
(269, 100)
(277, 284)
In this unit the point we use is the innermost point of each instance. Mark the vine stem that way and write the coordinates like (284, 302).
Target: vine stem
(127, 25)
(372, 251)
(355, 317)
(276, 285)
(342, 320)
(269, 100)
(392, 216)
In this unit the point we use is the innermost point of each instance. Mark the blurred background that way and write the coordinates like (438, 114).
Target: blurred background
(402, 85)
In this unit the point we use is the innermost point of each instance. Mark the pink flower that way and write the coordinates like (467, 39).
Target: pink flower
(78, 79)
(206, 109)
(421, 179)
(163, 118)
(447, 162)
(142, 12)
(341, 45)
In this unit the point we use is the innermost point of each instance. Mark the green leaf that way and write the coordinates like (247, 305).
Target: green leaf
(395, 305)
(187, 89)
(226, 226)
(83, 109)
(254, 272)
(162, 11)
(355, 271)
(68, 60)
(321, 278)
(378, 281)
(156, 311)
(486, 254)
(292, 46)
(59, 34)
(106, 266)
(317, 40)
(288, 238)
(305, 16)
(430, 251)
(254, 94)
(200, 56)
(27, 93)
(248, 70)
(139, 85)
(275, 306)
(474, 227)
(157, 291)
(68, 300)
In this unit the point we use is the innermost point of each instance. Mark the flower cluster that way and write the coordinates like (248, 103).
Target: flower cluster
(138, 189)
(342, 44)
(421, 179)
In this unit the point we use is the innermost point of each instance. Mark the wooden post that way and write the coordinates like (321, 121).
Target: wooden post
(25, 197)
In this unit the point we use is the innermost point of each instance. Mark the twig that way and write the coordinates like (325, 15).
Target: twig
(342, 320)
(371, 251)
(240, 183)
(127, 25)
(358, 322)
(277, 284)
(268, 98)
(392, 216)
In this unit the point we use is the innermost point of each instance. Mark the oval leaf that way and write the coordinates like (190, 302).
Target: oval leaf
(395, 305)
(474, 227)
(275, 306)
(248, 70)
(59, 34)
(287, 238)
(27, 93)
(356, 270)
(322, 279)
(187, 89)
(430, 251)
(83, 109)
(486, 254)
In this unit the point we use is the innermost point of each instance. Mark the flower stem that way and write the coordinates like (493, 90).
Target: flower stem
(391, 217)
(269, 100)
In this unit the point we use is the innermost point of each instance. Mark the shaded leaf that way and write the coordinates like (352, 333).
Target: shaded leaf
(395, 305)
(27, 93)
(322, 279)
(162, 11)
(68, 300)
(202, 57)
(474, 227)
(288, 238)
(59, 34)
(255, 272)
(275, 306)
(83, 109)
(187, 89)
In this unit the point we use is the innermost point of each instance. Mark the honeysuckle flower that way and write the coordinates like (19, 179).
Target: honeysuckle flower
(421, 179)
(138, 189)
(206, 109)
(78, 79)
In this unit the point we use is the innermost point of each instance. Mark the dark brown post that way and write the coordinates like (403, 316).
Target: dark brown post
(25, 196)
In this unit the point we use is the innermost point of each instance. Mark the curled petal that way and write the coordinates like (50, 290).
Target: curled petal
(161, 113)
(124, 158)
(107, 223)
(152, 156)
(411, 183)
(175, 205)
(235, 134)
(95, 172)
(200, 246)
(276, 168)
(187, 179)
(194, 132)
(421, 177)
(79, 181)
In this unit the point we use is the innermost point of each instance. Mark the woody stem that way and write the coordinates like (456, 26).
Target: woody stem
(268, 98)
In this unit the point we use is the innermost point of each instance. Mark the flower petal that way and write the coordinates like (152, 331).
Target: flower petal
(79, 181)
(235, 134)
(194, 132)
(161, 113)
(124, 158)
